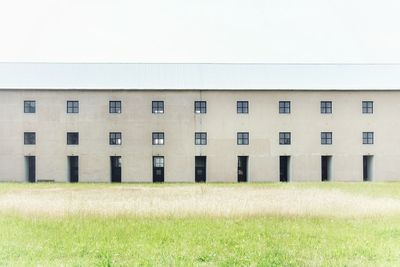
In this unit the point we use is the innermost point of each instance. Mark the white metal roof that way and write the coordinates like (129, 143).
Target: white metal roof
(200, 76)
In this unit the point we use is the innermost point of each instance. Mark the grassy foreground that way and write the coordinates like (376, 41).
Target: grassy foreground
(203, 240)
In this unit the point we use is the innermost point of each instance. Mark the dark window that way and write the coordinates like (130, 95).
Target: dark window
(326, 138)
(243, 138)
(29, 138)
(72, 106)
(115, 107)
(200, 138)
(157, 107)
(367, 107)
(29, 106)
(284, 107)
(242, 106)
(158, 138)
(326, 107)
(72, 138)
(368, 138)
(200, 107)
(284, 138)
(115, 138)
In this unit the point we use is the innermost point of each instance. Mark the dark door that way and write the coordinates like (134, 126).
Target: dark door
(158, 169)
(73, 162)
(324, 168)
(200, 169)
(31, 168)
(115, 169)
(367, 168)
(284, 168)
(242, 168)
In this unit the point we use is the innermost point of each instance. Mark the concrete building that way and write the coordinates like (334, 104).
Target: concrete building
(199, 122)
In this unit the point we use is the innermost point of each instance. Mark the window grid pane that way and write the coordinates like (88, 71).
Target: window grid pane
(200, 138)
(115, 107)
(115, 138)
(158, 138)
(158, 162)
(72, 106)
(29, 106)
(243, 138)
(157, 107)
(200, 107)
(284, 107)
(368, 138)
(29, 138)
(326, 107)
(326, 138)
(284, 138)
(367, 107)
(72, 138)
(242, 107)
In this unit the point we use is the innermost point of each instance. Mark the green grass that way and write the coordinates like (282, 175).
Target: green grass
(203, 241)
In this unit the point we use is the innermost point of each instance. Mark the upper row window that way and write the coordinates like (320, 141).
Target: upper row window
(200, 107)
(367, 107)
(72, 106)
(242, 106)
(29, 106)
(284, 107)
(115, 107)
(157, 107)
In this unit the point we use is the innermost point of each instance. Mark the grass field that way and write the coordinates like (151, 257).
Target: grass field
(295, 224)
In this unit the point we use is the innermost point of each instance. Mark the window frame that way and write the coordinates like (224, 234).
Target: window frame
(367, 107)
(30, 108)
(368, 138)
(73, 109)
(158, 138)
(26, 138)
(201, 137)
(324, 108)
(242, 138)
(200, 107)
(69, 139)
(326, 138)
(283, 137)
(284, 107)
(242, 107)
(157, 107)
(113, 138)
(115, 107)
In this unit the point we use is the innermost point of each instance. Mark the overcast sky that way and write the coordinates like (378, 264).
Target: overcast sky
(297, 31)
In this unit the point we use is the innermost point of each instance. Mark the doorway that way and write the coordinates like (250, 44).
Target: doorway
(158, 169)
(30, 168)
(367, 168)
(242, 168)
(115, 169)
(284, 168)
(200, 169)
(73, 169)
(326, 168)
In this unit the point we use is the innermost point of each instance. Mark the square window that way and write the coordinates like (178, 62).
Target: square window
(326, 107)
(243, 138)
(115, 107)
(284, 138)
(284, 107)
(326, 138)
(158, 162)
(367, 107)
(242, 107)
(115, 138)
(368, 138)
(29, 138)
(158, 138)
(72, 106)
(157, 107)
(29, 106)
(200, 138)
(72, 138)
(200, 107)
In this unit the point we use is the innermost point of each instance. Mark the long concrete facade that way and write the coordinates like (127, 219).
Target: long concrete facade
(349, 157)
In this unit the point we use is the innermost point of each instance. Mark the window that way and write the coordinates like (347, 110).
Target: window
(200, 138)
(326, 138)
(242, 107)
(368, 107)
(157, 107)
(158, 138)
(368, 138)
(284, 138)
(284, 107)
(29, 106)
(243, 138)
(200, 107)
(72, 138)
(72, 106)
(29, 138)
(326, 107)
(115, 139)
(115, 107)
(158, 162)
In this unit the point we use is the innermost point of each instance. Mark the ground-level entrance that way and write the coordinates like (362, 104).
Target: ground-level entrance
(242, 169)
(115, 169)
(284, 168)
(200, 169)
(367, 167)
(30, 168)
(326, 168)
(73, 169)
(158, 169)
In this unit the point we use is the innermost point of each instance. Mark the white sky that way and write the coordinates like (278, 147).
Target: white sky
(296, 31)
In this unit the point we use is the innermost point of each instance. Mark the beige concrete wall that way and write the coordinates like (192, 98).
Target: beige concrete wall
(136, 122)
